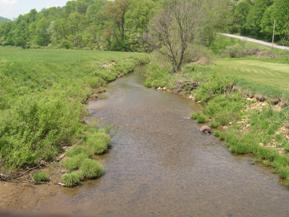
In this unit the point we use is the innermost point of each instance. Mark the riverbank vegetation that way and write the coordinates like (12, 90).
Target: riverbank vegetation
(42, 103)
(43, 90)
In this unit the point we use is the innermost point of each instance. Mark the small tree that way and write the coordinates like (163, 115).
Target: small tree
(174, 28)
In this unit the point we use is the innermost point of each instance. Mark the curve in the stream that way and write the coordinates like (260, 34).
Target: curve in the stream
(161, 166)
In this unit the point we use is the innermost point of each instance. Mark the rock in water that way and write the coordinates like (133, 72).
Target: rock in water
(206, 130)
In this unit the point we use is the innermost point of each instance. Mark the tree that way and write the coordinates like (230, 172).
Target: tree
(241, 12)
(255, 15)
(137, 21)
(174, 28)
(116, 12)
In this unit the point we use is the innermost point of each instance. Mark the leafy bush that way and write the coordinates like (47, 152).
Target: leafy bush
(91, 169)
(35, 129)
(40, 177)
(71, 179)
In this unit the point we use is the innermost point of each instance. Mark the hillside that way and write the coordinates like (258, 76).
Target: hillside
(3, 19)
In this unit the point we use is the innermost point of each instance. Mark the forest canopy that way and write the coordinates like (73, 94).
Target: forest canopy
(124, 24)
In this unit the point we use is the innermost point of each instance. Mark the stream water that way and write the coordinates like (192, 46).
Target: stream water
(160, 165)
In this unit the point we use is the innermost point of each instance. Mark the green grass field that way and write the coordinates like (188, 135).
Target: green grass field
(268, 78)
(42, 96)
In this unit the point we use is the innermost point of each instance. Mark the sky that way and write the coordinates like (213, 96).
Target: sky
(13, 8)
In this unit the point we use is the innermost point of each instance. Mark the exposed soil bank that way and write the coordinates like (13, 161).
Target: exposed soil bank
(160, 165)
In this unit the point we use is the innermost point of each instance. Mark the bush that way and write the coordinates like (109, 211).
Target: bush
(91, 169)
(74, 162)
(157, 77)
(98, 142)
(199, 117)
(214, 124)
(35, 128)
(40, 177)
(71, 179)
(215, 85)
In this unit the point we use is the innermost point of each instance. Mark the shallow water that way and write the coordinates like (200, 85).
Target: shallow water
(160, 166)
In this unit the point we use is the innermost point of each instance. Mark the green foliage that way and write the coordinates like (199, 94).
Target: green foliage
(200, 118)
(40, 177)
(257, 18)
(225, 109)
(71, 179)
(41, 96)
(78, 150)
(91, 169)
(73, 163)
(215, 85)
(93, 24)
(157, 77)
(98, 142)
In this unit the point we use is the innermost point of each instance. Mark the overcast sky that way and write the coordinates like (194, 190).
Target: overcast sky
(13, 8)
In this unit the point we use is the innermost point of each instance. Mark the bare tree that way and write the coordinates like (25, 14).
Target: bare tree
(174, 28)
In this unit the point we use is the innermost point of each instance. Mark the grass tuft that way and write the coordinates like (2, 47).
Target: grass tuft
(73, 163)
(91, 169)
(40, 177)
(200, 118)
(98, 142)
(71, 179)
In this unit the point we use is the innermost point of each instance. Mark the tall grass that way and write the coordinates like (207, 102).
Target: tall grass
(41, 98)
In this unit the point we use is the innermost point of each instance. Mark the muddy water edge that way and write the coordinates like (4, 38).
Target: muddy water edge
(160, 165)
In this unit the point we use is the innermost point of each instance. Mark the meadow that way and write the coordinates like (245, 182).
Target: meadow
(42, 100)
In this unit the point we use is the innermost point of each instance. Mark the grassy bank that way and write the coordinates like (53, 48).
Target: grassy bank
(245, 101)
(42, 97)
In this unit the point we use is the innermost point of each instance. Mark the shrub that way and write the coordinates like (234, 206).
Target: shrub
(157, 77)
(74, 162)
(40, 177)
(98, 142)
(215, 124)
(199, 117)
(35, 127)
(91, 169)
(71, 179)
(215, 85)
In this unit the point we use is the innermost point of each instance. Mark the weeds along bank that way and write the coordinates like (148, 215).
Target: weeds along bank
(245, 108)
(42, 105)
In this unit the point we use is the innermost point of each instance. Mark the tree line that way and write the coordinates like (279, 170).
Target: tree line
(260, 18)
(125, 24)
(94, 24)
